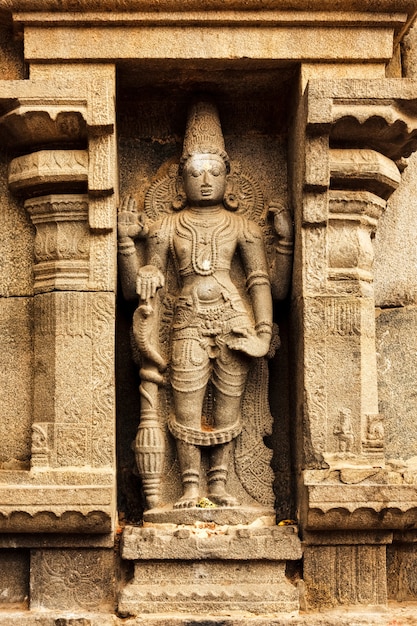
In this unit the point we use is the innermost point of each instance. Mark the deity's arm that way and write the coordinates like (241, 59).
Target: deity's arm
(150, 277)
(253, 255)
(255, 342)
(128, 267)
(281, 263)
(130, 226)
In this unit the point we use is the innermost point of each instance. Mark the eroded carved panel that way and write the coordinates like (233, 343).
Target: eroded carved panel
(74, 579)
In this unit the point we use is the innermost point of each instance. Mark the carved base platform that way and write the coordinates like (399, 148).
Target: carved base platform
(210, 569)
(217, 515)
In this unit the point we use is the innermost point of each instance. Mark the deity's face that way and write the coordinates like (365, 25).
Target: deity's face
(205, 179)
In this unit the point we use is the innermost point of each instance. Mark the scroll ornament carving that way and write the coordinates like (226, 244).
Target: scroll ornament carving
(218, 323)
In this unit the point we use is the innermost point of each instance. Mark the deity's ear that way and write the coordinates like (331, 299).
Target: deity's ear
(180, 199)
(230, 198)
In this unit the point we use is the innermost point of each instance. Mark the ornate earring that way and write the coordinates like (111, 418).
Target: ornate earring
(230, 199)
(180, 200)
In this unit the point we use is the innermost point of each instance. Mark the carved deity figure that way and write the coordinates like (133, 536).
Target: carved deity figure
(217, 326)
(344, 431)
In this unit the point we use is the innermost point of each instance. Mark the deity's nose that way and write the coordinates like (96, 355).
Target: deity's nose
(206, 178)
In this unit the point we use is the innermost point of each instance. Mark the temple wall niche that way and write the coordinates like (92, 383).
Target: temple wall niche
(313, 108)
(151, 124)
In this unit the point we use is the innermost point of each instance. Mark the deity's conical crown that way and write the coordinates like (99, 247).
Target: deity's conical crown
(203, 134)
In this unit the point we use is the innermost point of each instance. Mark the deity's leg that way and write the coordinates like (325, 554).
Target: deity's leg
(226, 412)
(188, 408)
(189, 457)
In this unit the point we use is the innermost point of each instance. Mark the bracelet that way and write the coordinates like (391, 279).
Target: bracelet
(258, 277)
(263, 328)
(285, 247)
(126, 247)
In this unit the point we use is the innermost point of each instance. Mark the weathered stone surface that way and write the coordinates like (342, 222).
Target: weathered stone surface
(170, 5)
(16, 382)
(396, 353)
(14, 578)
(17, 236)
(395, 250)
(178, 43)
(345, 574)
(73, 425)
(402, 571)
(209, 587)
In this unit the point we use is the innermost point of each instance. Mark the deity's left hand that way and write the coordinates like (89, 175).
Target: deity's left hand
(255, 345)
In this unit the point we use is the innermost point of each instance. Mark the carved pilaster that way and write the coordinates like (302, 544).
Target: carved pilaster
(345, 569)
(355, 134)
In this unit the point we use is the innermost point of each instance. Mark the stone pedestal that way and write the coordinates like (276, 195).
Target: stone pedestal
(210, 569)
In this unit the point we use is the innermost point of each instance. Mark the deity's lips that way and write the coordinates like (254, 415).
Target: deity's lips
(206, 191)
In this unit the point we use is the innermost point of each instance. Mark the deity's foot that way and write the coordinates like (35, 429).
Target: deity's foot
(186, 502)
(223, 499)
(189, 498)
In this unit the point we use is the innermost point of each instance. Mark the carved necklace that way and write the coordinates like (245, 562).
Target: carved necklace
(203, 229)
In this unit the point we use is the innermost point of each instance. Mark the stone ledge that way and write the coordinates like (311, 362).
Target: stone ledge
(360, 506)
(217, 515)
(55, 502)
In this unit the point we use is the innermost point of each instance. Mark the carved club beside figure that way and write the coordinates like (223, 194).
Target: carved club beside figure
(217, 327)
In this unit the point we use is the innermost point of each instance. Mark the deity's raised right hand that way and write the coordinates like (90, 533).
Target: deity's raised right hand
(148, 281)
(130, 223)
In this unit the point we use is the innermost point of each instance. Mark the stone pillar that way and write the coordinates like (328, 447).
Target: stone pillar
(69, 195)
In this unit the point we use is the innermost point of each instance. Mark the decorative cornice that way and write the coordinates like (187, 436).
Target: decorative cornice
(27, 520)
(376, 114)
(190, 5)
(367, 505)
(48, 169)
(56, 501)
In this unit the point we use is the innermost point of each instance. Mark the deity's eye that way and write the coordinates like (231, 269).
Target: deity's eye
(216, 171)
(195, 173)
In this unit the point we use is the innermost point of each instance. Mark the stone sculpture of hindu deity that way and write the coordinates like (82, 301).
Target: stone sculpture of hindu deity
(200, 259)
